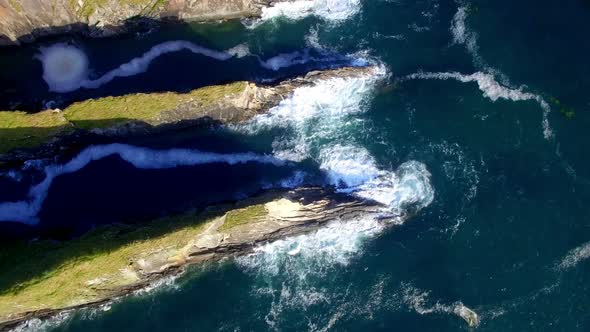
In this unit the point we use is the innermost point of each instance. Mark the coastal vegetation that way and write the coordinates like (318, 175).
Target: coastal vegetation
(50, 274)
(47, 274)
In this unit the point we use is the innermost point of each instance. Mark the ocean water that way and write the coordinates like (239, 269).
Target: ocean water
(462, 124)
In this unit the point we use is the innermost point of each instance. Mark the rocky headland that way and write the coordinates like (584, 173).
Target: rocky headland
(40, 279)
(26, 136)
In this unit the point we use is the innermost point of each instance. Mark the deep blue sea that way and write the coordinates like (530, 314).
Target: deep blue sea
(475, 120)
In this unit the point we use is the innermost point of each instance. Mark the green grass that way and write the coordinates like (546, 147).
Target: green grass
(243, 216)
(51, 275)
(89, 7)
(45, 274)
(22, 130)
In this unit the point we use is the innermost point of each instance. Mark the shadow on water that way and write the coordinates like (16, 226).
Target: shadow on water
(23, 88)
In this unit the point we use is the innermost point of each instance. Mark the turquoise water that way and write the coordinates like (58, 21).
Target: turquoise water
(500, 225)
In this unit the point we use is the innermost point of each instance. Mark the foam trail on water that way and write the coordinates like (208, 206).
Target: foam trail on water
(493, 90)
(463, 36)
(284, 60)
(26, 211)
(574, 257)
(419, 301)
(53, 70)
(329, 10)
(65, 67)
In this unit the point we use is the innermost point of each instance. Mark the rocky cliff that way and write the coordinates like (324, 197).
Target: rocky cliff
(25, 20)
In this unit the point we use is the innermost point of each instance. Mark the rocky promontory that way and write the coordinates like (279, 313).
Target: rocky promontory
(24, 21)
(40, 279)
(45, 134)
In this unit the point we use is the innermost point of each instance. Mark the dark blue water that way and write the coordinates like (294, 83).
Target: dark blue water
(506, 233)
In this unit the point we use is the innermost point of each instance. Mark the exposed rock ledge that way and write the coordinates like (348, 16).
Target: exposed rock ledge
(23, 21)
(53, 132)
(238, 231)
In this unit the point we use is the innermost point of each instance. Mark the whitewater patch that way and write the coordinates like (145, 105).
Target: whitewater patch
(26, 211)
(319, 123)
(574, 257)
(492, 90)
(328, 10)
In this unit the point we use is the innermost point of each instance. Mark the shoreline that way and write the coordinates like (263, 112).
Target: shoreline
(26, 22)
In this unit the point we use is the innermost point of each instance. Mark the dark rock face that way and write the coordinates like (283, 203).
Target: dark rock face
(24, 21)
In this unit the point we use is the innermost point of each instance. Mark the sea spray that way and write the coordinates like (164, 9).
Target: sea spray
(26, 211)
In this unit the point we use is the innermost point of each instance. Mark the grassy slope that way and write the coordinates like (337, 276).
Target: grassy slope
(19, 129)
(44, 274)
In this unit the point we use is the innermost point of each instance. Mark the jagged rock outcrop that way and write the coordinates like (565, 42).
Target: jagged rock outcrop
(25, 20)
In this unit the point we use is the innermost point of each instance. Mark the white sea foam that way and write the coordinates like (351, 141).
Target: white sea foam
(26, 211)
(493, 90)
(65, 67)
(42, 325)
(284, 60)
(329, 10)
(320, 120)
(419, 301)
(575, 256)
(353, 169)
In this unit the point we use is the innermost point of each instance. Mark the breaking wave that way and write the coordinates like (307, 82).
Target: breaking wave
(493, 90)
(329, 10)
(26, 211)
